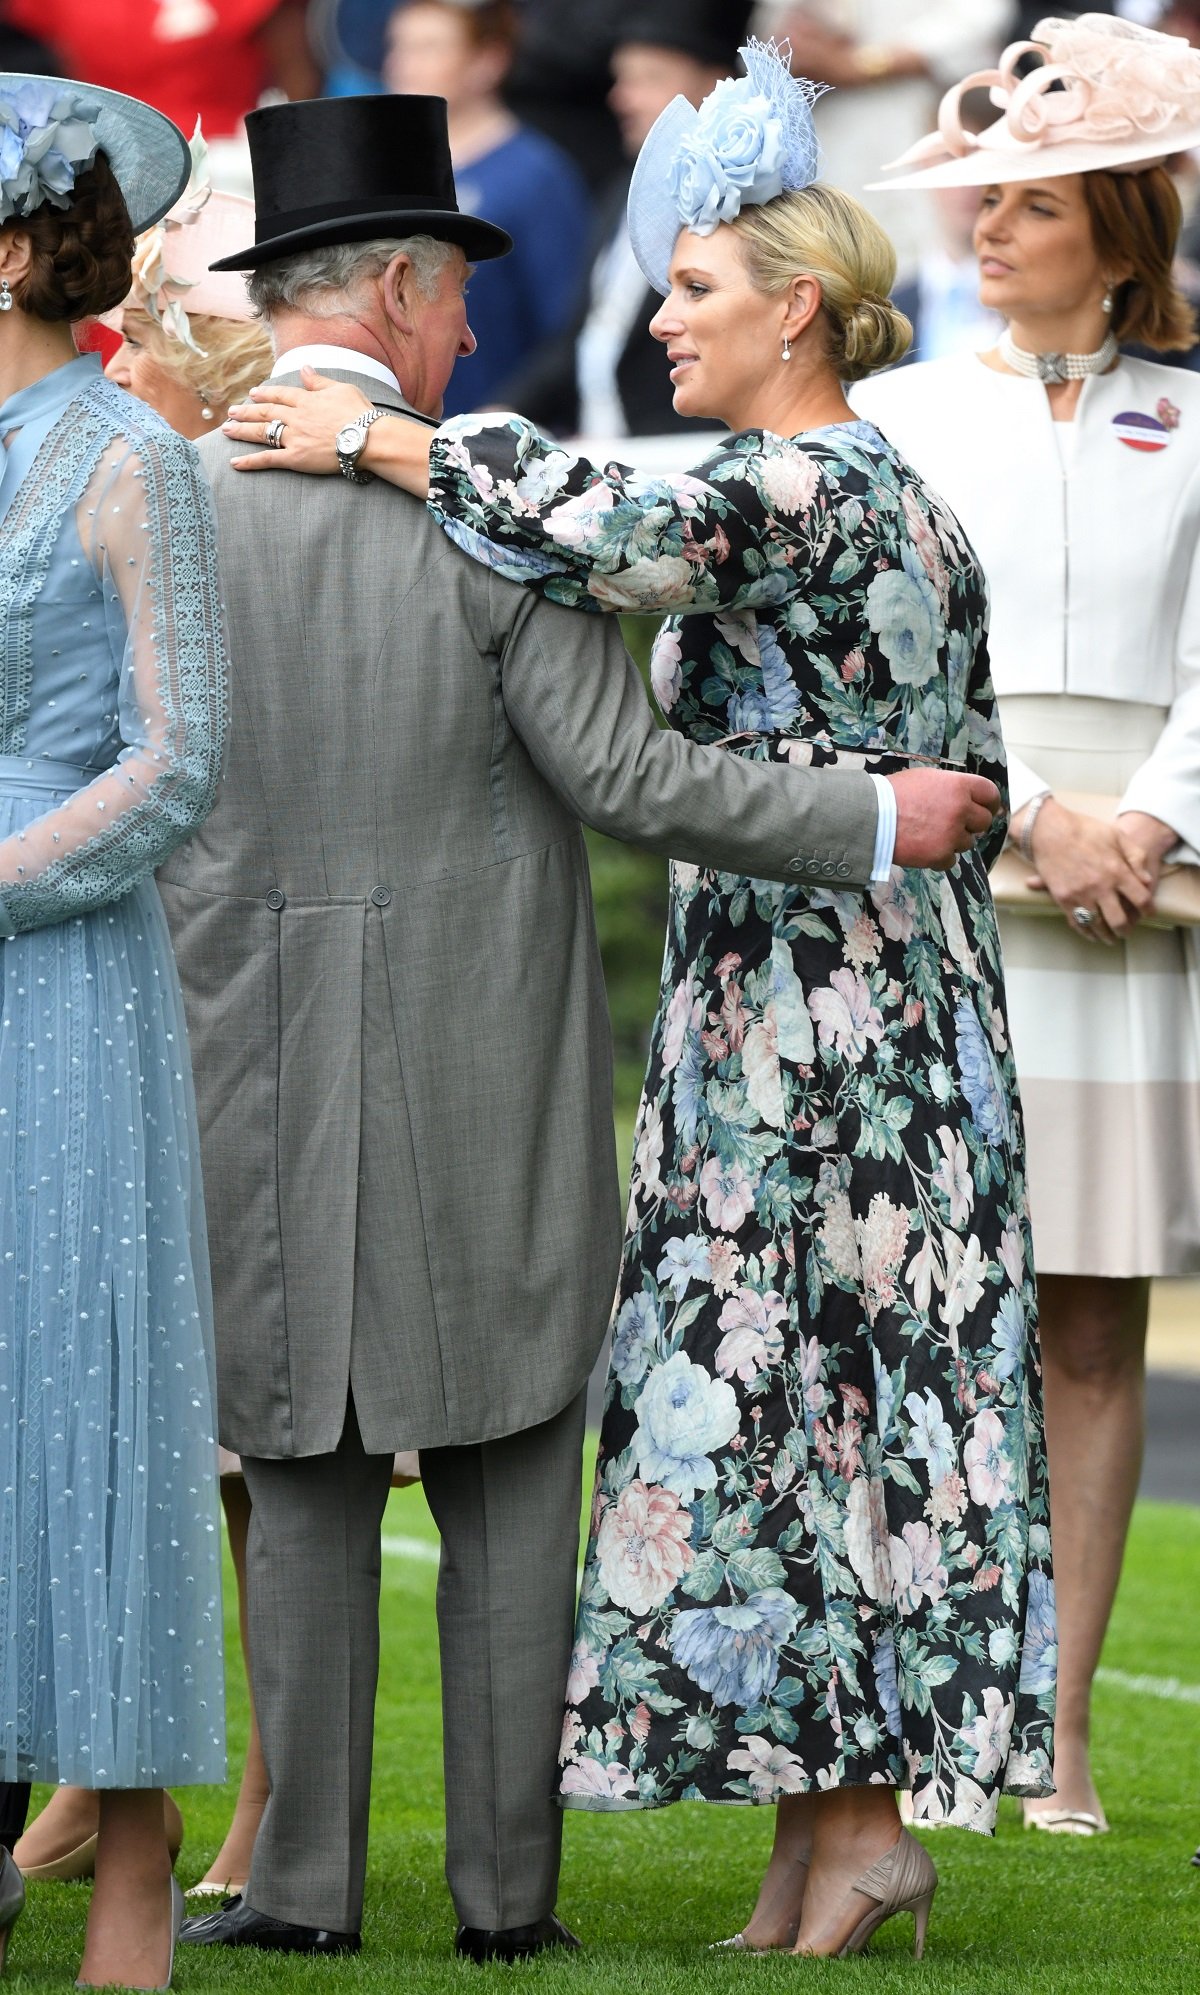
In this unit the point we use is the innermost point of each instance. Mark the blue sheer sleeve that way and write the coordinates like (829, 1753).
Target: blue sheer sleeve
(146, 525)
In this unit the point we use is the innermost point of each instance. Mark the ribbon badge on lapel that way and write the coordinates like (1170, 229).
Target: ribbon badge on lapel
(1149, 434)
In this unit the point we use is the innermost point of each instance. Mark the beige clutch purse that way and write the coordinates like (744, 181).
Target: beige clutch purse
(1176, 904)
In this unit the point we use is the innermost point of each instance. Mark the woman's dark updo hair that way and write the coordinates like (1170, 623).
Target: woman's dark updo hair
(81, 256)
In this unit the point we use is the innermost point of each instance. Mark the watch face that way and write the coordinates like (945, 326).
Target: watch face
(349, 439)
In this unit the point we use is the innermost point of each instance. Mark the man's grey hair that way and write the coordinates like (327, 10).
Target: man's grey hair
(322, 282)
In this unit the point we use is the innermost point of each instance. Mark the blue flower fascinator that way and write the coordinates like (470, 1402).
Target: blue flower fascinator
(47, 136)
(51, 130)
(751, 139)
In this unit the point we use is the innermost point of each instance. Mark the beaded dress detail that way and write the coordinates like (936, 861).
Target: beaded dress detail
(112, 715)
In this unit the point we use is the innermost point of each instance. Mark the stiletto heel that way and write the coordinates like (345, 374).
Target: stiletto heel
(12, 1901)
(178, 1908)
(921, 1913)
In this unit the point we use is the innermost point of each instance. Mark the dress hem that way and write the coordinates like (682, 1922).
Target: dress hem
(597, 1804)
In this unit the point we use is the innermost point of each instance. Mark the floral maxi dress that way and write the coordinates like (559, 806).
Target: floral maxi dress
(819, 1552)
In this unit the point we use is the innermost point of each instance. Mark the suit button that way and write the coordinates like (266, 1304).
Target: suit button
(276, 900)
(796, 865)
(843, 872)
(828, 869)
(381, 896)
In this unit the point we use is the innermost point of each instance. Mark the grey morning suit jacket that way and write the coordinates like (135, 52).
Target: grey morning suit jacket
(394, 993)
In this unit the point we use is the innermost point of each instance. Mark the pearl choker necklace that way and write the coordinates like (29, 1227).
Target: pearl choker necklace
(1052, 367)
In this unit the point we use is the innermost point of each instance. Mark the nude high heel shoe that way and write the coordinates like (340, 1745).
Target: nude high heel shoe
(67, 1866)
(178, 1910)
(738, 1943)
(902, 1881)
(12, 1900)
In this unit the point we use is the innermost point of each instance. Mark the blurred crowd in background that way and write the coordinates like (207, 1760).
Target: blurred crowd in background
(549, 101)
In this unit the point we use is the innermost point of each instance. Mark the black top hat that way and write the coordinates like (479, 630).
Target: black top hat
(347, 169)
(707, 30)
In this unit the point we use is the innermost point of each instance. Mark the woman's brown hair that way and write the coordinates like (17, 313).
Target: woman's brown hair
(80, 256)
(1136, 219)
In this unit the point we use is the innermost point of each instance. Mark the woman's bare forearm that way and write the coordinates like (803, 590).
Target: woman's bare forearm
(299, 428)
(398, 450)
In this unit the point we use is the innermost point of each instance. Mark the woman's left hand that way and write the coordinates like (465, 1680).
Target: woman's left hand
(311, 417)
(1146, 840)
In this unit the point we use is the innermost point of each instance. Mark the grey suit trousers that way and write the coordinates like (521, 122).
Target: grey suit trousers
(508, 1514)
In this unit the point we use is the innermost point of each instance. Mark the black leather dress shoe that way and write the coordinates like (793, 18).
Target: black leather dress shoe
(482, 1943)
(239, 1925)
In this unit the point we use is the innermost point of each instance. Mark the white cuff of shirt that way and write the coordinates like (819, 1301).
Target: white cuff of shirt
(885, 829)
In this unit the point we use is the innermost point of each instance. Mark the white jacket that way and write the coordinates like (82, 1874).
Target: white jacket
(1092, 563)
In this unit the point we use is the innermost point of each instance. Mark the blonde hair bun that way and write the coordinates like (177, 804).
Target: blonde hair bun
(825, 233)
(874, 335)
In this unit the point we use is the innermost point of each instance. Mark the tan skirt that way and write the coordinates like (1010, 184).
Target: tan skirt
(1107, 1041)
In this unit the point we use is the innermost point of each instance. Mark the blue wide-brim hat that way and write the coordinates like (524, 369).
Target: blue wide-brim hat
(148, 154)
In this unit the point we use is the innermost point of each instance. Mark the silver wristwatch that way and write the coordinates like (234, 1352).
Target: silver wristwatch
(349, 444)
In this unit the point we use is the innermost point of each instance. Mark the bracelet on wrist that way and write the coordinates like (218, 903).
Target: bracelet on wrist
(1032, 813)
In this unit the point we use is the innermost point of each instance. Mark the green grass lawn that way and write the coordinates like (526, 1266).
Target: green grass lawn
(1024, 1915)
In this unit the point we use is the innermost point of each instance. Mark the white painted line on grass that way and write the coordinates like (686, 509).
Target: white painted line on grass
(410, 1548)
(1168, 1688)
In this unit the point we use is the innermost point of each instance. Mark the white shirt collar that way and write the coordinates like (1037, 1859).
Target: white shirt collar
(325, 357)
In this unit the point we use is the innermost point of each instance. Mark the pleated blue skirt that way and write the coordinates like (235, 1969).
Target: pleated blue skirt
(110, 1592)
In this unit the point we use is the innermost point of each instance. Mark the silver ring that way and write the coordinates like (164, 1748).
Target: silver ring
(1082, 917)
(273, 434)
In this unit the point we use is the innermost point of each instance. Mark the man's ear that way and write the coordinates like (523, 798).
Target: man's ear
(400, 294)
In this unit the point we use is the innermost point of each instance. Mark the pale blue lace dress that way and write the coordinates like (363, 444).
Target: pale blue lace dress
(112, 699)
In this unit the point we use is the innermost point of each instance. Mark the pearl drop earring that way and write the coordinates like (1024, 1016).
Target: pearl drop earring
(206, 412)
(1107, 304)
(787, 348)
(6, 296)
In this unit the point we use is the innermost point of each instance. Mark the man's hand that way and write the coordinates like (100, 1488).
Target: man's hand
(940, 815)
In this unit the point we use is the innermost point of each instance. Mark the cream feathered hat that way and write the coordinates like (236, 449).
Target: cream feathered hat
(1105, 96)
(171, 278)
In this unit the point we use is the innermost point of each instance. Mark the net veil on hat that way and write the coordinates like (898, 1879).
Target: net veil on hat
(1105, 96)
(751, 139)
(51, 129)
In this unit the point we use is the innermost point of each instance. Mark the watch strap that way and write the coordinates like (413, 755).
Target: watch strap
(348, 460)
